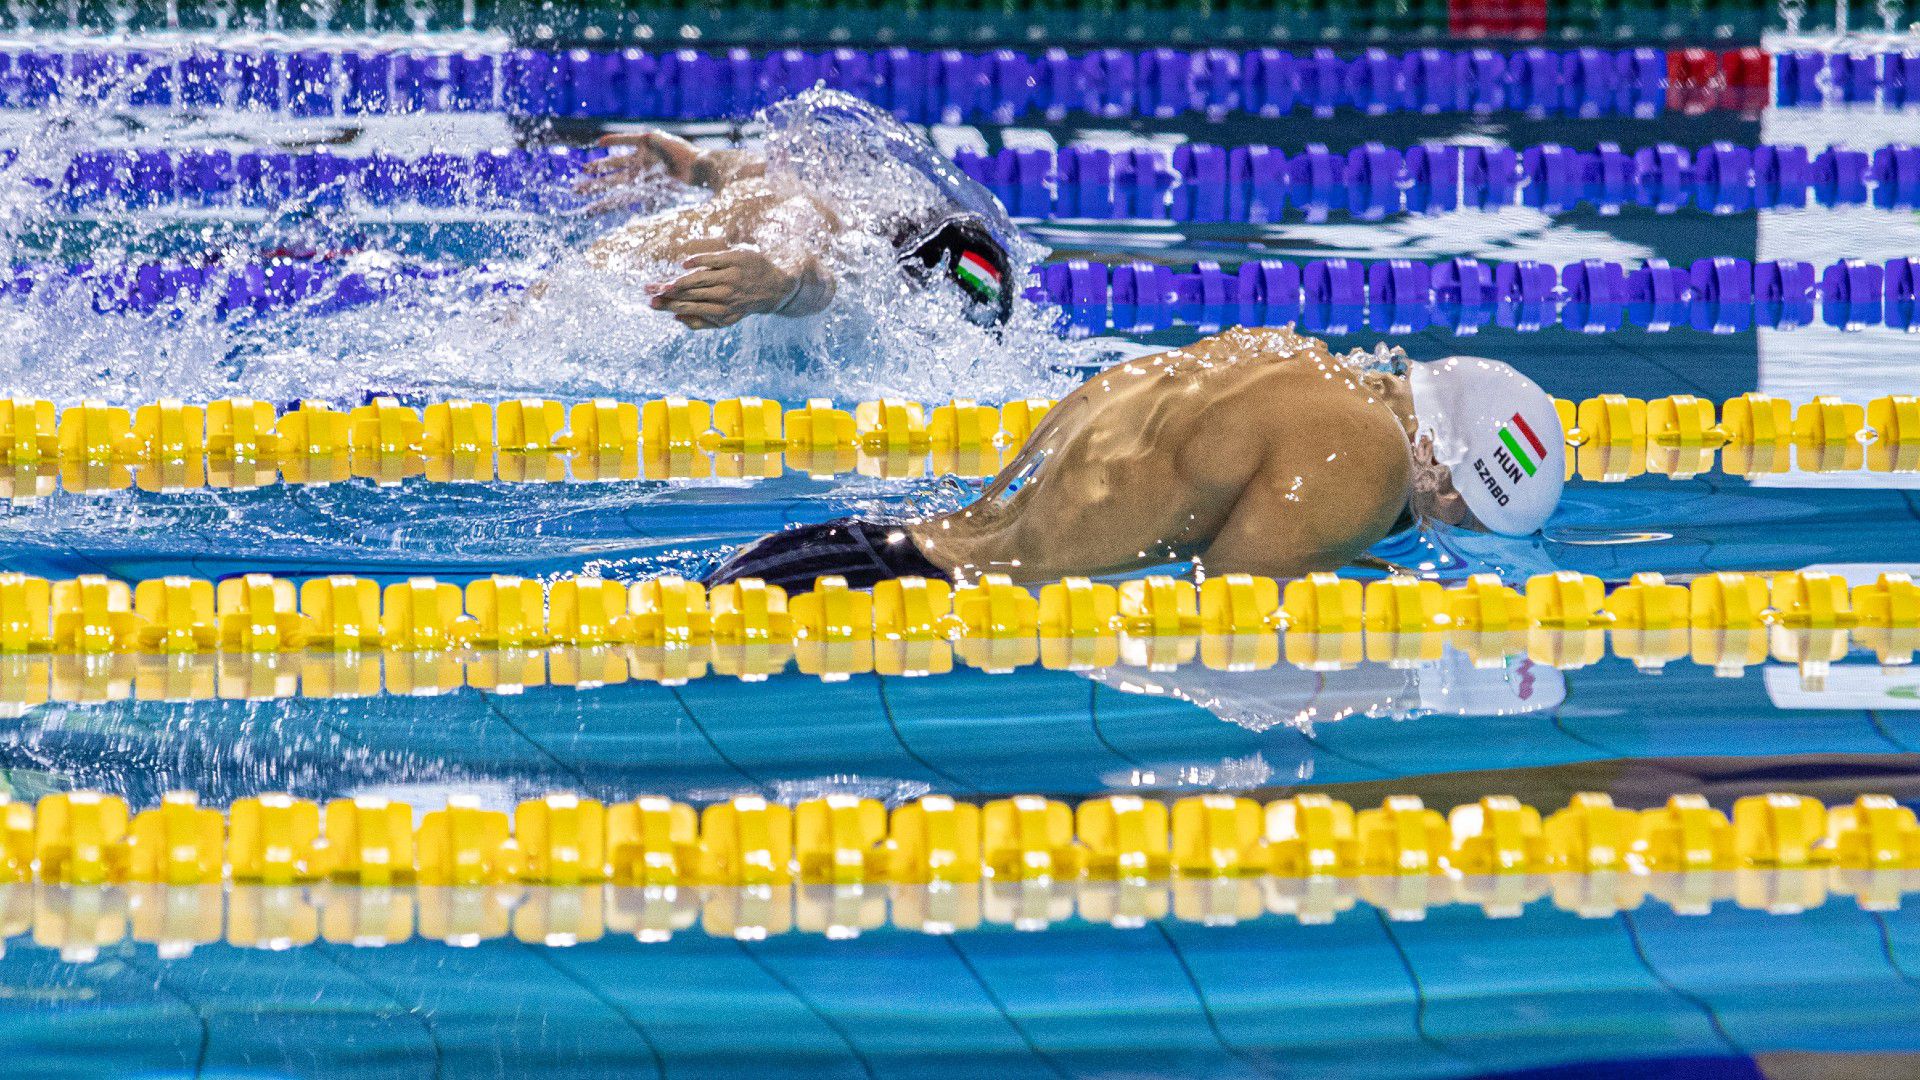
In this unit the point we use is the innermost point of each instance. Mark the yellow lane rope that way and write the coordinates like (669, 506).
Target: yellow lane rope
(258, 636)
(92, 639)
(81, 920)
(90, 838)
(172, 445)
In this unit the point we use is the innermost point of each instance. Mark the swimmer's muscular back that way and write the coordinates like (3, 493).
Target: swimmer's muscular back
(1252, 451)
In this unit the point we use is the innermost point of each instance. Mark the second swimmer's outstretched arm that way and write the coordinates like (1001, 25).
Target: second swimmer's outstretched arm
(720, 289)
(610, 177)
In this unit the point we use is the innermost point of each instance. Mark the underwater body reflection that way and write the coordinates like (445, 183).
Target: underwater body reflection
(320, 726)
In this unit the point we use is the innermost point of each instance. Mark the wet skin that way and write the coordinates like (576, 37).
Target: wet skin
(751, 249)
(732, 216)
(1253, 451)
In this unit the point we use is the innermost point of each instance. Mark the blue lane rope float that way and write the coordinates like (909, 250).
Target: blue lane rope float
(1202, 183)
(490, 180)
(1339, 296)
(919, 86)
(1195, 182)
(948, 85)
(955, 85)
(1326, 296)
(1811, 78)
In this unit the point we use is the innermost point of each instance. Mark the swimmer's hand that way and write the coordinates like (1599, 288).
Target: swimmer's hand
(611, 179)
(720, 289)
(654, 152)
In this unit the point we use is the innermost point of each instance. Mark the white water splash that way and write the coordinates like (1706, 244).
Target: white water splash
(471, 329)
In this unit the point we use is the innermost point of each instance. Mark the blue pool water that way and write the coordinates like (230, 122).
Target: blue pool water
(1735, 974)
(1359, 996)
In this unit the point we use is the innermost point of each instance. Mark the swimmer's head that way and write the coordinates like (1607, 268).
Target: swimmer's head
(962, 249)
(1488, 451)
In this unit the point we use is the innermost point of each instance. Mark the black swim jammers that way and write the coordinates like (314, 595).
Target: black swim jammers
(863, 552)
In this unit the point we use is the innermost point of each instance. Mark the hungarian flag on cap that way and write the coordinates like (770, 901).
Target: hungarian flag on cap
(1519, 424)
(977, 274)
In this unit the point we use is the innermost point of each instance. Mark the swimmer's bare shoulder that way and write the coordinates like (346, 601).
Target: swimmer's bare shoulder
(1322, 462)
(1273, 390)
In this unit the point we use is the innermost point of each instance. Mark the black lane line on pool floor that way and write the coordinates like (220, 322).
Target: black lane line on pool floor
(1419, 993)
(806, 1002)
(1026, 1037)
(1319, 747)
(1206, 1007)
(1607, 753)
(420, 1015)
(1093, 715)
(751, 777)
(886, 709)
(165, 986)
(1693, 385)
(493, 706)
(1879, 725)
(1887, 950)
(1706, 1007)
(552, 958)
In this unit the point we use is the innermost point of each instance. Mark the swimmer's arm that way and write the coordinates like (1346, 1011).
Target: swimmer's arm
(658, 151)
(718, 168)
(790, 279)
(720, 289)
(1375, 563)
(812, 292)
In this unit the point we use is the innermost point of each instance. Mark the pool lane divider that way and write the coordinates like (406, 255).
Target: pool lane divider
(88, 838)
(231, 673)
(1193, 182)
(256, 636)
(959, 86)
(82, 920)
(1722, 295)
(240, 443)
(1197, 182)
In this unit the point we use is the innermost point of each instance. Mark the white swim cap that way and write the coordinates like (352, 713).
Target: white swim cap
(1498, 433)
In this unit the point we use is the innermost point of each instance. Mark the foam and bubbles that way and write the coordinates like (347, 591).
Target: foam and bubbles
(475, 330)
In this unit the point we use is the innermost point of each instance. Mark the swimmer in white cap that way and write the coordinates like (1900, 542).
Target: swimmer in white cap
(1252, 451)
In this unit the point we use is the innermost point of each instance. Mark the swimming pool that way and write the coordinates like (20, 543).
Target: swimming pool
(479, 787)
